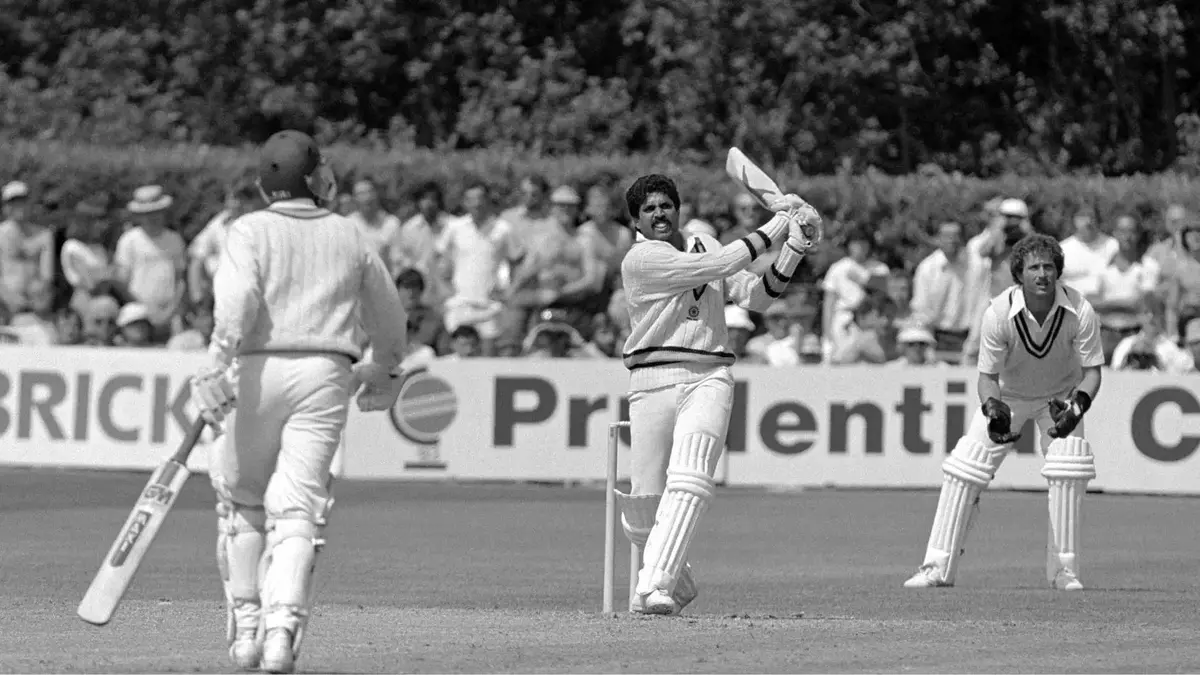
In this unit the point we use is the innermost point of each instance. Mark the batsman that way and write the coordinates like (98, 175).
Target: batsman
(296, 287)
(681, 388)
(1039, 359)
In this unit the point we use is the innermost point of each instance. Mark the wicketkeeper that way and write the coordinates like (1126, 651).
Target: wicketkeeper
(295, 289)
(1039, 359)
(681, 388)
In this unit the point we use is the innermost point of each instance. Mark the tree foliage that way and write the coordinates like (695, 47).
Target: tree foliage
(979, 86)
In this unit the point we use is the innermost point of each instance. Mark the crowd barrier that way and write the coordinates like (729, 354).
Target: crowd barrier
(525, 420)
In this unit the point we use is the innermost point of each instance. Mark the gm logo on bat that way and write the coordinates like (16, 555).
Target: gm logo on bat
(132, 534)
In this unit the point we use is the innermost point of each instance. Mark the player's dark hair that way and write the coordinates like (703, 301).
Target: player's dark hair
(410, 278)
(647, 185)
(1034, 244)
(465, 331)
(429, 189)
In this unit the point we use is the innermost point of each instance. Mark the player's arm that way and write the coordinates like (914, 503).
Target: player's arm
(922, 305)
(383, 316)
(662, 271)
(237, 292)
(756, 292)
(591, 277)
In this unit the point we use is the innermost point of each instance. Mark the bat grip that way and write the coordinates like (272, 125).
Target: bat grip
(189, 441)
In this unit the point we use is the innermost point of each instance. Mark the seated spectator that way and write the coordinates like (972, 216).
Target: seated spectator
(917, 347)
(1000, 279)
(780, 345)
(382, 229)
(1086, 253)
(205, 250)
(415, 248)
(553, 338)
(345, 204)
(606, 337)
(417, 355)
(1191, 340)
(134, 328)
(861, 341)
(198, 322)
(410, 283)
(1123, 285)
(36, 325)
(471, 249)
(465, 343)
(1167, 251)
(811, 351)
(1183, 286)
(84, 255)
(1150, 349)
(26, 249)
(507, 346)
(151, 260)
(7, 335)
(845, 285)
(949, 286)
(68, 325)
(100, 321)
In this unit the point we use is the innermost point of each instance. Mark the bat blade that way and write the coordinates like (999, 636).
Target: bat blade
(121, 562)
(752, 179)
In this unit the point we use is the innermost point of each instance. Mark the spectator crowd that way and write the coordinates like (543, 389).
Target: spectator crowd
(541, 278)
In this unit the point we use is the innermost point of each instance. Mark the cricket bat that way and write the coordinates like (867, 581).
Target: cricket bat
(753, 179)
(122, 561)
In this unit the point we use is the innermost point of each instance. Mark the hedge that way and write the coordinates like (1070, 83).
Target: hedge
(902, 211)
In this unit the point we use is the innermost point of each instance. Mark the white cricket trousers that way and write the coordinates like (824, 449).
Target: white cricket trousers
(661, 417)
(281, 440)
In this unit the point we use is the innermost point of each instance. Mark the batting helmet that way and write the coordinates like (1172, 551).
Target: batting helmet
(291, 166)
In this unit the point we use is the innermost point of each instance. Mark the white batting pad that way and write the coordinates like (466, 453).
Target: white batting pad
(287, 568)
(241, 537)
(1069, 466)
(967, 471)
(637, 515)
(689, 491)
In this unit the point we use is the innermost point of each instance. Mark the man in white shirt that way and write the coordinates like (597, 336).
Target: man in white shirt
(26, 249)
(1088, 252)
(845, 286)
(949, 287)
(1040, 359)
(151, 259)
(418, 235)
(472, 248)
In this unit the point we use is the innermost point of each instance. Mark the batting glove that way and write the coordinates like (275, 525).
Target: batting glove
(999, 422)
(805, 228)
(787, 203)
(214, 389)
(1067, 413)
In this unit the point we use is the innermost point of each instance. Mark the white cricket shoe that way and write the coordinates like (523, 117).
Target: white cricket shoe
(277, 655)
(1065, 580)
(657, 602)
(244, 649)
(927, 576)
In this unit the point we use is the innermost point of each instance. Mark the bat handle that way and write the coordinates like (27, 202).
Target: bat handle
(189, 441)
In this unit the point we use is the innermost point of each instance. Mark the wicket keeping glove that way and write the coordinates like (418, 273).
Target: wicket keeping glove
(1067, 413)
(999, 422)
(214, 388)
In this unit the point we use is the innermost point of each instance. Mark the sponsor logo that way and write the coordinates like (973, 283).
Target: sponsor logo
(426, 407)
(129, 539)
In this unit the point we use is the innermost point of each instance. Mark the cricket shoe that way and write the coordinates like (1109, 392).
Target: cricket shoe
(244, 649)
(277, 654)
(685, 593)
(656, 602)
(1065, 580)
(927, 576)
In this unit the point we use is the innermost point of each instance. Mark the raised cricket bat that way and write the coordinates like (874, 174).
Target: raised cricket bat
(753, 179)
(122, 561)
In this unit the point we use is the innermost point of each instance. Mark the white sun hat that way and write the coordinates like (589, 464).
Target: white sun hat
(150, 199)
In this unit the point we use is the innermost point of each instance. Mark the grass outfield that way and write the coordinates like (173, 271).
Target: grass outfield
(485, 578)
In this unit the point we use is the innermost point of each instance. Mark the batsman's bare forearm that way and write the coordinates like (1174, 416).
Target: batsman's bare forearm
(383, 315)
(989, 387)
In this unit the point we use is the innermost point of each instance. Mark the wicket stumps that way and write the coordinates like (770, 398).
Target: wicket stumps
(611, 525)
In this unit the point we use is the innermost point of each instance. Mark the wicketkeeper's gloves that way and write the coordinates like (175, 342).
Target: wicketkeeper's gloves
(999, 422)
(1067, 413)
